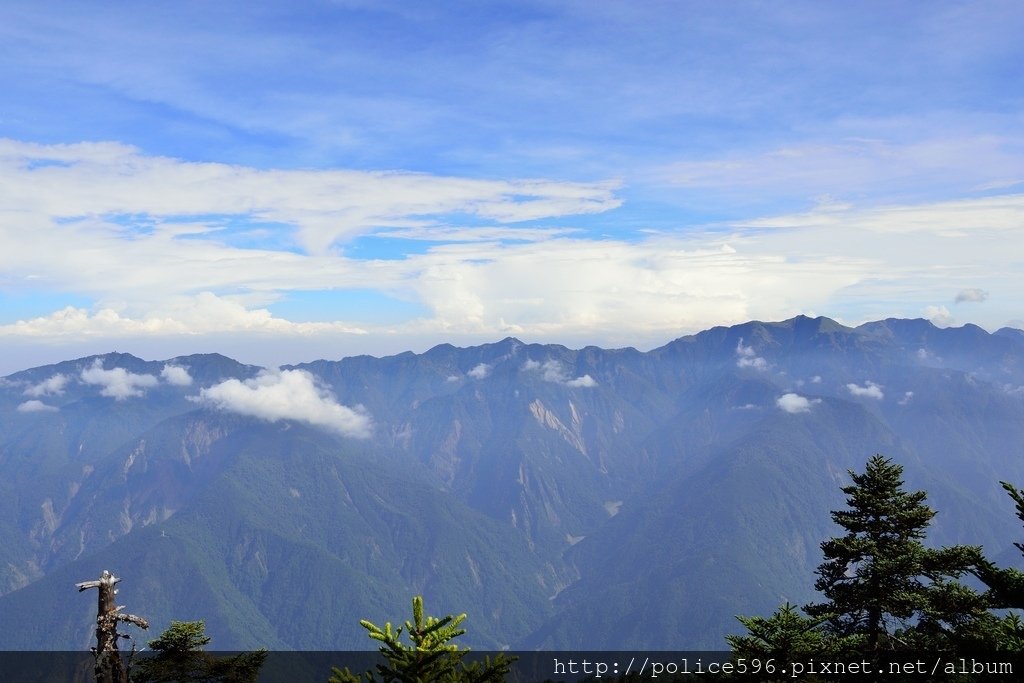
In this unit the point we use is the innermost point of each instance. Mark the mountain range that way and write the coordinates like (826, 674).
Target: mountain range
(564, 499)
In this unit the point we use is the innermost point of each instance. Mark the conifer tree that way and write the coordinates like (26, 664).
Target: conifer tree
(179, 657)
(884, 588)
(431, 657)
(785, 636)
(1006, 586)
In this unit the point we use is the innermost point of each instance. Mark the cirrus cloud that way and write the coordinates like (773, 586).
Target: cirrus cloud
(101, 178)
(160, 256)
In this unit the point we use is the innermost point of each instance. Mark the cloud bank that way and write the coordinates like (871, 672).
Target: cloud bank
(162, 247)
(288, 395)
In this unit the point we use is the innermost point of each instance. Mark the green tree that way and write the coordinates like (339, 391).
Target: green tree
(431, 656)
(786, 636)
(884, 589)
(1006, 586)
(179, 658)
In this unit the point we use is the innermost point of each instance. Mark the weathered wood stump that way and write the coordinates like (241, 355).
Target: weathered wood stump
(109, 667)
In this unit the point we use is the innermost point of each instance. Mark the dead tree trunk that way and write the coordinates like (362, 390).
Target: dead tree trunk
(109, 668)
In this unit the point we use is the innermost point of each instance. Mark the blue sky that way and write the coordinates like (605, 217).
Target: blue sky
(286, 181)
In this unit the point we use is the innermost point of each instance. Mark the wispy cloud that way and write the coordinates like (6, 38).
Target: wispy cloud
(553, 370)
(477, 234)
(323, 207)
(879, 187)
(746, 357)
(971, 294)
(948, 218)
(869, 390)
(154, 274)
(117, 383)
(857, 165)
(288, 395)
(52, 385)
(480, 371)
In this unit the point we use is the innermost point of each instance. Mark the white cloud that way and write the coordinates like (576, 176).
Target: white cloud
(117, 383)
(869, 390)
(971, 294)
(857, 165)
(452, 378)
(94, 179)
(939, 316)
(757, 363)
(553, 370)
(795, 403)
(477, 234)
(480, 371)
(138, 235)
(53, 385)
(176, 375)
(907, 395)
(204, 313)
(747, 358)
(35, 406)
(288, 395)
(816, 379)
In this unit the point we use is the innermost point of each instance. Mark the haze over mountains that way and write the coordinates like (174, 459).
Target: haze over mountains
(564, 498)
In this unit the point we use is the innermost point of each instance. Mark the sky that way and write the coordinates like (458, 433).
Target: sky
(281, 182)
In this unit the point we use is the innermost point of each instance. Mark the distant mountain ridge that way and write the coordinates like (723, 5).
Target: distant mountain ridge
(650, 495)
